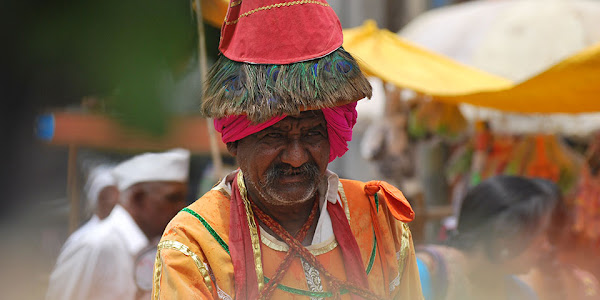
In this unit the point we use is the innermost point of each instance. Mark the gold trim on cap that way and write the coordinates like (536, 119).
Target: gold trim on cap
(276, 5)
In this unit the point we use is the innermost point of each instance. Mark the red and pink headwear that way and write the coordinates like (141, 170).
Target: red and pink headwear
(281, 57)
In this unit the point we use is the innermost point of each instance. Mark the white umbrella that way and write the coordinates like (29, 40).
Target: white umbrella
(515, 39)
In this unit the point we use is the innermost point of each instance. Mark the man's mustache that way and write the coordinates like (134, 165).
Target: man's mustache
(310, 170)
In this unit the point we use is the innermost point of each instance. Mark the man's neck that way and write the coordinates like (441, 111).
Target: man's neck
(290, 217)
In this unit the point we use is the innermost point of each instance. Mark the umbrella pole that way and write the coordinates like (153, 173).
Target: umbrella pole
(72, 189)
(202, 64)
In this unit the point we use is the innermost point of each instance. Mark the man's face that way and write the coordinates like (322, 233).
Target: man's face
(284, 163)
(161, 202)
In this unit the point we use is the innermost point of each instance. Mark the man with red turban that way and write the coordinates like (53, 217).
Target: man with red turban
(282, 226)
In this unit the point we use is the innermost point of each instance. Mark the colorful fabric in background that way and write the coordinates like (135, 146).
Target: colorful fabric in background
(587, 199)
(340, 121)
(544, 156)
(436, 117)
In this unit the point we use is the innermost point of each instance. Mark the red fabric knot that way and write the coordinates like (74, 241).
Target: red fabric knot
(395, 200)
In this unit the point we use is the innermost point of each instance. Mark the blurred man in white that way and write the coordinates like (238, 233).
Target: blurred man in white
(102, 195)
(152, 190)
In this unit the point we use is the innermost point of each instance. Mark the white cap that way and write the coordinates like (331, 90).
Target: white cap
(173, 165)
(99, 178)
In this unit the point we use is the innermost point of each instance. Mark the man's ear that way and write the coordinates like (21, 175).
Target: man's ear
(232, 148)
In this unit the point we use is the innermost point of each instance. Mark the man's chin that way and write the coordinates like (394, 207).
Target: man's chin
(291, 193)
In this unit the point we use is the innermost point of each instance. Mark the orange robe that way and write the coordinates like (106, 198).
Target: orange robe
(193, 260)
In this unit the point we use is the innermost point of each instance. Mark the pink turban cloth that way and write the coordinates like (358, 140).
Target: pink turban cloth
(340, 121)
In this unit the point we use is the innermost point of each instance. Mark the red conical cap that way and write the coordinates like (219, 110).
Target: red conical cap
(279, 31)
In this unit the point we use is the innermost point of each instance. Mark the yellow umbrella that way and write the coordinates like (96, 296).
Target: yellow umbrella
(383, 54)
(571, 86)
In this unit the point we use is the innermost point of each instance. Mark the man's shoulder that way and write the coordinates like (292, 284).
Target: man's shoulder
(93, 242)
(101, 234)
(210, 212)
(214, 197)
(214, 201)
(354, 191)
(353, 195)
(80, 233)
(353, 185)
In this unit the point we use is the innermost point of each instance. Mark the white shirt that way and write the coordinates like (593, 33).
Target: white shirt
(75, 238)
(99, 264)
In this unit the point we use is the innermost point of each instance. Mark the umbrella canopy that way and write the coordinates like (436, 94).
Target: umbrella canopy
(383, 54)
(520, 40)
(571, 86)
(515, 39)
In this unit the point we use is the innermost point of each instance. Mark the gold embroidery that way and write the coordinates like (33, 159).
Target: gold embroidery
(235, 3)
(157, 275)
(401, 256)
(313, 278)
(270, 242)
(175, 245)
(253, 231)
(404, 245)
(277, 5)
(344, 200)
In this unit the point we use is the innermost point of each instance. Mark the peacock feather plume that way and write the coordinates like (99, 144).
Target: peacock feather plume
(262, 91)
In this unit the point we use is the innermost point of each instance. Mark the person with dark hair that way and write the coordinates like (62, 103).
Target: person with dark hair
(502, 232)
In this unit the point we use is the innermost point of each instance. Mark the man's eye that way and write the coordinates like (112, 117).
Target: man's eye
(313, 133)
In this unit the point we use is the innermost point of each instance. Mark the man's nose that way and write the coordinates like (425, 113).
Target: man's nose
(294, 154)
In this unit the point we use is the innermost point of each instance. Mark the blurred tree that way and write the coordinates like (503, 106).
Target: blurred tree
(122, 50)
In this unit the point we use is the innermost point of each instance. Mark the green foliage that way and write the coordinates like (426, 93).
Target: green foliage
(122, 49)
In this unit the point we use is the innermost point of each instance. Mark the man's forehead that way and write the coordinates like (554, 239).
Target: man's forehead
(306, 117)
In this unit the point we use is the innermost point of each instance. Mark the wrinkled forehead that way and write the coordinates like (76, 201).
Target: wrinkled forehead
(310, 118)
